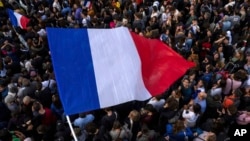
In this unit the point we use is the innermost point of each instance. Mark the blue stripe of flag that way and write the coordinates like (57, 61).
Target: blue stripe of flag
(12, 17)
(76, 62)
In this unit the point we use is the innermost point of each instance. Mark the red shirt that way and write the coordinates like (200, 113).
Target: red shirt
(48, 118)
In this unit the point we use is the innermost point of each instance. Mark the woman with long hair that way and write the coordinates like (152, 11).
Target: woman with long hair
(178, 132)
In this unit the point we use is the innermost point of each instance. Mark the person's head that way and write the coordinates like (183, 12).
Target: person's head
(75, 6)
(197, 108)
(78, 132)
(200, 83)
(209, 67)
(25, 82)
(216, 97)
(144, 129)
(46, 76)
(27, 100)
(41, 129)
(176, 93)
(192, 75)
(7, 60)
(240, 75)
(138, 15)
(149, 108)
(218, 125)
(36, 106)
(56, 101)
(194, 22)
(158, 97)
(185, 82)
(216, 55)
(237, 92)
(172, 103)
(39, 86)
(116, 125)
(232, 109)
(91, 128)
(202, 96)
(108, 109)
(219, 65)
(134, 115)
(209, 33)
(3, 85)
(178, 126)
(82, 115)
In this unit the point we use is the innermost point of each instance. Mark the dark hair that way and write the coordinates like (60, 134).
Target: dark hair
(56, 101)
(91, 128)
(238, 92)
(117, 125)
(149, 107)
(36, 106)
(197, 108)
(39, 85)
(223, 82)
(82, 115)
(173, 104)
(46, 76)
(216, 97)
(41, 128)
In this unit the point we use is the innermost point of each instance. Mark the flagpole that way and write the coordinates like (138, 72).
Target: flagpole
(71, 128)
(21, 39)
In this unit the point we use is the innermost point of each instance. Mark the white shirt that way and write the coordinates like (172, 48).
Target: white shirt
(57, 6)
(190, 118)
(230, 4)
(216, 91)
(42, 32)
(157, 104)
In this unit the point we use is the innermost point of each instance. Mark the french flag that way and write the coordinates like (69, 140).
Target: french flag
(18, 19)
(87, 3)
(98, 68)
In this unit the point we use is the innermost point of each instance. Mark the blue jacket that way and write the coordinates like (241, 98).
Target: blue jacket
(180, 136)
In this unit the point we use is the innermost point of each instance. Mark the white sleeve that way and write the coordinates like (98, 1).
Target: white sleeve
(187, 114)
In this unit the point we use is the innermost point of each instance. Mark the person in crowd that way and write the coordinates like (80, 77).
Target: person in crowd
(83, 120)
(157, 102)
(94, 133)
(118, 132)
(108, 120)
(178, 131)
(191, 115)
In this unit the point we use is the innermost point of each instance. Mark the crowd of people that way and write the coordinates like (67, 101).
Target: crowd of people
(207, 104)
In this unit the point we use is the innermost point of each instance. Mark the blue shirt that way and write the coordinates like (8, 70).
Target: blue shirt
(180, 136)
(203, 104)
(81, 122)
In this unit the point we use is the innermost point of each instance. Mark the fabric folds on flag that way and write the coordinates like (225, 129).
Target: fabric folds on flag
(98, 68)
(17, 19)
